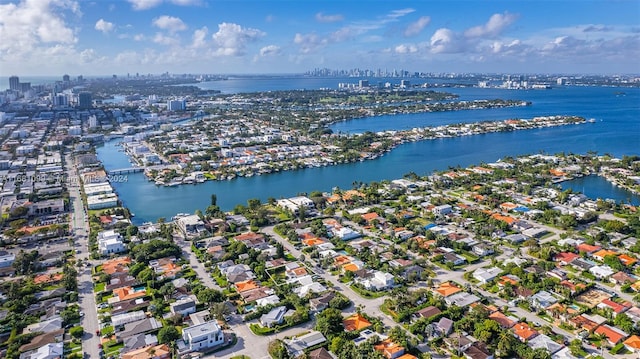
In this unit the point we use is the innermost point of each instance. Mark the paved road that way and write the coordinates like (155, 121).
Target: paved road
(198, 267)
(86, 300)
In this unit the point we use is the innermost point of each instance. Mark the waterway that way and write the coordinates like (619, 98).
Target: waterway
(616, 131)
(596, 187)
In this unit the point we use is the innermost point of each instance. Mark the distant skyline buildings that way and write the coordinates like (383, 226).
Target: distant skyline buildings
(102, 37)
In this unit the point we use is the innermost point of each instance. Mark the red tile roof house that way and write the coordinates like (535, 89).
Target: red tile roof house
(524, 332)
(617, 308)
(587, 248)
(565, 258)
(614, 335)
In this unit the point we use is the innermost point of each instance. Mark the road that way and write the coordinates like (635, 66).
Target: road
(86, 299)
(198, 267)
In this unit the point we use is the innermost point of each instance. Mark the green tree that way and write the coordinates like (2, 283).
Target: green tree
(210, 296)
(168, 334)
(76, 332)
(329, 322)
(278, 350)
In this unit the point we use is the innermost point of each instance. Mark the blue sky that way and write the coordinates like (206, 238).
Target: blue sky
(50, 37)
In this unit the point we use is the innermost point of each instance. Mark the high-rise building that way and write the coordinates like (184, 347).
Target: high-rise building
(84, 100)
(14, 83)
(60, 100)
(24, 86)
(176, 105)
(66, 78)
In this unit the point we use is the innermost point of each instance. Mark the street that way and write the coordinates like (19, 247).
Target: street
(80, 228)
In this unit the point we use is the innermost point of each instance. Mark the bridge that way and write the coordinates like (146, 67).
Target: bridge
(121, 171)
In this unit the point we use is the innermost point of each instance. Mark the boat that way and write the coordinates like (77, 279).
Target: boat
(592, 120)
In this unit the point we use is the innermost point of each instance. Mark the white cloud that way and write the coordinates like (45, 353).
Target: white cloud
(320, 17)
(271, 50)
(405, 49)
(139, 37)
(445, 41)
(232, 39)
(308, 42)
(104, 26)
(415, 28)
(169, 23)
(494, 27)
(166, 40)
(28, 25)
(144, 4)
(149, 4)
(200, 37)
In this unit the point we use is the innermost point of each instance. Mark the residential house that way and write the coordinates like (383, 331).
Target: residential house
(427, 312)
(503, 320)
(119, 320)
(48, 351)
(183, 307)
(482, 249)
(478, 350)
(442, 210)
(139, 341)
(297, 345)
(542, 300)
(355, 322)
(602, 272)
(322, 302)
(6, 259)
(320, 353)
(462, 299)
(486, 275)
(613, 334)
(202, 337)
(453, 258)
(110, 242)
(45, 326)
(632, 344)
(544, 342)
(523, 332)
(191, 225)
(448, 288)
(389, 349)
(459, 342)
(274, 317)
(43, 339)
(379, 281)
(444, 326)
(141, 326)
(616, 308)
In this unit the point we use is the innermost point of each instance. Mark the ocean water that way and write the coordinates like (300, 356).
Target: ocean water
(616, 131)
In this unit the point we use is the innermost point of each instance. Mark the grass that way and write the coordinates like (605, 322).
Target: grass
(99, 287)
(257, 329)
(367, 293)
(113, 350)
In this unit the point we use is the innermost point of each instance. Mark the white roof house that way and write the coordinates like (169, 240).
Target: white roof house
(486, 275)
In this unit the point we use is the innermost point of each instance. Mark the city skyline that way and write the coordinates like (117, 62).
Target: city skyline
(192, 36)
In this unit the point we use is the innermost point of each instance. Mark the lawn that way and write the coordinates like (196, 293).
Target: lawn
(257, 329)
(367, 293)
(99, 287)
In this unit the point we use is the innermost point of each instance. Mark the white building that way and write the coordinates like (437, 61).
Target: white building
(294, 203)
(102, 201)
(486, 275)
(202, 336)
(110, 242)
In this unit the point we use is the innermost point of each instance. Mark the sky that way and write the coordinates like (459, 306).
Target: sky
(53, 37)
